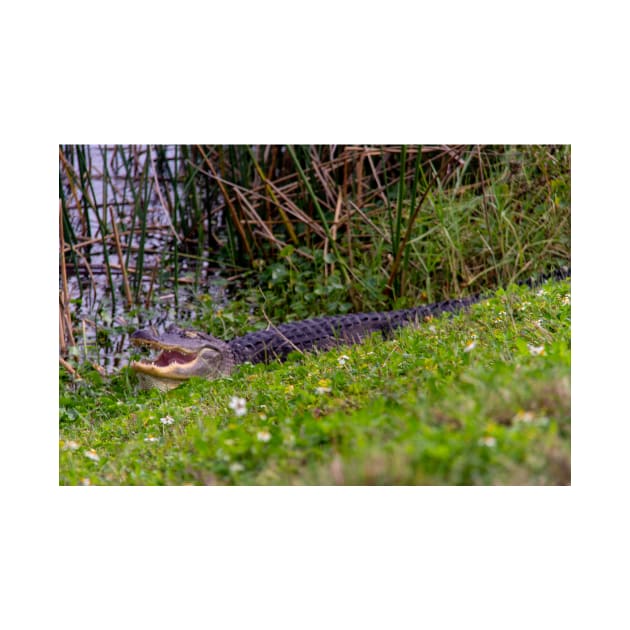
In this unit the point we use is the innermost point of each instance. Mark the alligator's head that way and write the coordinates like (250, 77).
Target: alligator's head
(184, 353)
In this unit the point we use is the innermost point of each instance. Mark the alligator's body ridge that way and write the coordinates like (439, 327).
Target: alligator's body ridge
(324, 333)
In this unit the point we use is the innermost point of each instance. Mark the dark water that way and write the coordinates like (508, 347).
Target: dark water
(102, 319)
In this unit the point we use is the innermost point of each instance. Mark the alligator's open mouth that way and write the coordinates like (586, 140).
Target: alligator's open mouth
(172, 365)
(182, 354)
(167, 359)
(168, 370)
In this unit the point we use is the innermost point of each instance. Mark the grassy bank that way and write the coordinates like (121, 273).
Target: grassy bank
(480, 398)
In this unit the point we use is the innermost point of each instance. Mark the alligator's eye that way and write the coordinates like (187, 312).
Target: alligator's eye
(191, 334)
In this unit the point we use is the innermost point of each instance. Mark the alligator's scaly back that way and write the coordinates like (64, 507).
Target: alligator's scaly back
(324, 333)
(188, 353)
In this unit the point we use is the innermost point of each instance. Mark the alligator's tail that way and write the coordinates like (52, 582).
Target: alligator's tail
(423, 313)
(557, 274)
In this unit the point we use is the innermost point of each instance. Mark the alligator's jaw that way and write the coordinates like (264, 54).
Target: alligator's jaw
(168, 370)
(147, 381)
(183, 354)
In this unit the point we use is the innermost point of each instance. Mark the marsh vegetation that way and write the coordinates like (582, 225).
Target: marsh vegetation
(230, 238)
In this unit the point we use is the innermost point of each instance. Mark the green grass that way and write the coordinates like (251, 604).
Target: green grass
(415, 409)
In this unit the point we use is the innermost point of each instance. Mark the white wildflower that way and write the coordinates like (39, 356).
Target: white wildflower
(343, 359)
(524, 416)
(470, 346)
(488, 441)
(263, 436)
(70, 445)
(536, 350)
(323, 386)
(236, 467)
(238, 405)
(167, 420)
(151, 439)
(93, 455)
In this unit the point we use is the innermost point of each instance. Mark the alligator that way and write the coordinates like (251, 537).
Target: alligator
(185, 352)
